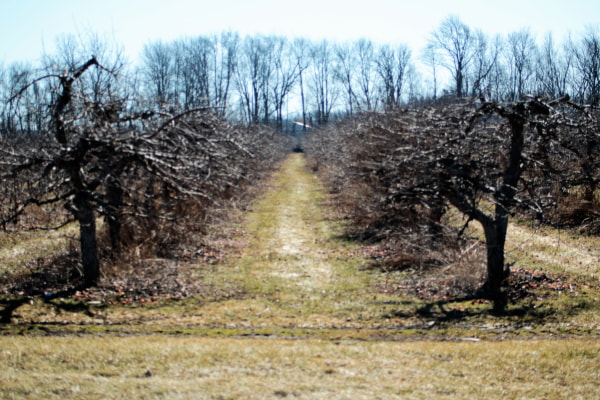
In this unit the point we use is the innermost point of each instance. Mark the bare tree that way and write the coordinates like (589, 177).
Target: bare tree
(322, 82)
(392, 68)
(100, 151)
(487, 159)
(224, 66)
(15, 115)
(192, 71)
(159, 72)
(587, 64)
(484, 62)
(553, 69)
(521, 59)
(301, 48)
(365, 53)
(253, 77)
(284, 77)
(484, 160)
(455, 43)
(430, 58)
(63, 158)
(346, 61)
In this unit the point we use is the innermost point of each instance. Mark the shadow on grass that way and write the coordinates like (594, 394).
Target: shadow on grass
(10, 305)
(515, 314)
(455, 311)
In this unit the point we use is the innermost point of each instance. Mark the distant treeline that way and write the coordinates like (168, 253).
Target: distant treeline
(267, 79)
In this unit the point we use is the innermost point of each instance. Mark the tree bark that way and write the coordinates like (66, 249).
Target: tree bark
(495, 237)
(115, 201)
(88, 240)
(495, 229)
(459, 82)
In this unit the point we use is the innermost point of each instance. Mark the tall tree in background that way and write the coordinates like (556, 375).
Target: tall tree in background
(431, 59)
(346, 69)
(521, 56)
(16, 115)
(365, 58)
(485, 61)
(191, 72)
(553, 69)
(285, 76)
(392, 66)
(192, 69)
(587, 65)
(301, 52)
(323, 84)
(223, 69)
(455, 43)
(257, 77)
(158, 66)
(253, 76)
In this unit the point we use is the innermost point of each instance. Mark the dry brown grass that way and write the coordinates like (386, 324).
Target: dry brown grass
(532, 246)
(202, 368)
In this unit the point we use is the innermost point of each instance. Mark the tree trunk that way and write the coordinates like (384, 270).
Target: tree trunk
(115, 202)
(495, 237)
(459, 82)
(495, 229)
(303, 105)
(88, 241)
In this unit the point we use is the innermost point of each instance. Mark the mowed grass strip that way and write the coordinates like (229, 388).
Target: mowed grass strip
(213, 368)
(297, 269)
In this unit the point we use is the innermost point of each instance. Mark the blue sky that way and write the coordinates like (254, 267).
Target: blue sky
(28, 27)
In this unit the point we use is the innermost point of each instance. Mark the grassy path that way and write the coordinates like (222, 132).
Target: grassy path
(296, 266)
(306, 323)
(290, 236)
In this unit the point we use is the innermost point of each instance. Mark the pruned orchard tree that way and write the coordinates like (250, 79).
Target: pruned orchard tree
(492, 159)
(487, 159)
(96, 153)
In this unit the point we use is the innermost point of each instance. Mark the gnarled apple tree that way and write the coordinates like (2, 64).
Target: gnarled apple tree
(95, 147)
